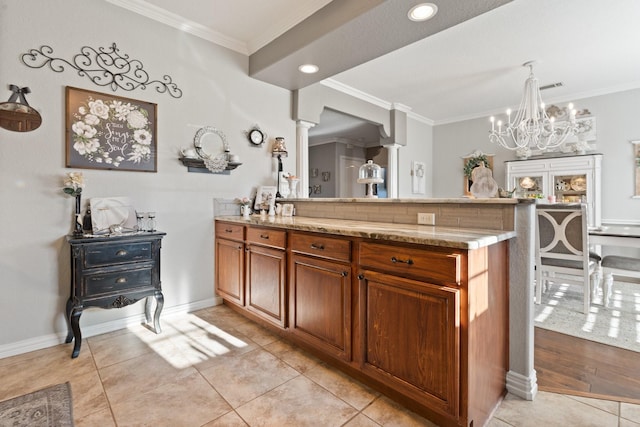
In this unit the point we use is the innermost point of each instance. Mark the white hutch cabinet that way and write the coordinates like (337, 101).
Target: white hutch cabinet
(568, 179)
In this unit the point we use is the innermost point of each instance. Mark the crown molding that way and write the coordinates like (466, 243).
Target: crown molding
(163, 16)
(314, 142)
(356, 93)
(277, 28)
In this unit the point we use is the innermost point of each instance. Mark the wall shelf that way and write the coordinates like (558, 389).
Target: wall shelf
(197, 165)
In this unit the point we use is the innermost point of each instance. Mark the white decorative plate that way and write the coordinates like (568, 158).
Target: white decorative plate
(527, 183)
(578, 183)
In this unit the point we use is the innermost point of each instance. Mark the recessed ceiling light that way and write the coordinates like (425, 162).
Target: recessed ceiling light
(423, 11)
(308, 68)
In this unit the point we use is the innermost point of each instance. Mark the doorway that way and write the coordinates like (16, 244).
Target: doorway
(348, 168)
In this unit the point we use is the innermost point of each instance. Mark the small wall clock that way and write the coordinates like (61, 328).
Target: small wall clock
(256, 136)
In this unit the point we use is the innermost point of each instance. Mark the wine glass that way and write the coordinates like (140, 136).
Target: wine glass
(151, 223)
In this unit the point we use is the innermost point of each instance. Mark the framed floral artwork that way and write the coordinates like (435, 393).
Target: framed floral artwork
(110, 132)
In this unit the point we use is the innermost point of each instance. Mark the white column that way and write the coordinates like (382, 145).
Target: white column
(392, 170)
(521, 378)
(302, 149)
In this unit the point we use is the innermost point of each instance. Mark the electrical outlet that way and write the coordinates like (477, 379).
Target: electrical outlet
(426, 218)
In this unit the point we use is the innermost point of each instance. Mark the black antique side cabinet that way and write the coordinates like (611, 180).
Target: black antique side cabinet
(113, 272)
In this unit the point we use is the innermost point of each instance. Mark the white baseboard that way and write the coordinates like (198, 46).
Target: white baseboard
(51, 340)
(522, 386)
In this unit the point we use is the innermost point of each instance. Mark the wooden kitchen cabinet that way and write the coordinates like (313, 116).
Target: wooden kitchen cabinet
(320, 292)
(265, 273)
(434, 327)
(229, 262)
(427, 325)
(412, 338)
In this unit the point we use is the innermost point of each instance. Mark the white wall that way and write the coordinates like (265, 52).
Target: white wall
(420, 147)
(36, 216)
(616, 124)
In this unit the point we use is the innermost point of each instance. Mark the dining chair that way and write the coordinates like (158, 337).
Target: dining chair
(562, 249)
(617, 265)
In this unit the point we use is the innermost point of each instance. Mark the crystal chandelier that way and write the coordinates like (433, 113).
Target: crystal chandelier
(531, 127)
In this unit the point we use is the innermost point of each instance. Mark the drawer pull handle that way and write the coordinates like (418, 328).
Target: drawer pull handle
(361, 276)
(121, 280)
(228, 230)
(264, 236)
(345, 274)
(319, 247)
(395, 260)
(121, 252)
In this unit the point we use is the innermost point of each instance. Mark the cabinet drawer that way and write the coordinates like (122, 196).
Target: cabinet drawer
(117, 253)
(569, 163)
(267, 237)
(324, 247)
(415, 262)
(230, 231)
(527, 166)
(117, 281)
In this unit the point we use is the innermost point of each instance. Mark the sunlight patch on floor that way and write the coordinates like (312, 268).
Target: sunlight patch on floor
(546, 312)
(614, 324)
(590, 322)
(187, 340)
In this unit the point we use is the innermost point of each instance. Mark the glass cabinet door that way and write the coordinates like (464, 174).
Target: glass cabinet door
(528, 186)
(570, 188)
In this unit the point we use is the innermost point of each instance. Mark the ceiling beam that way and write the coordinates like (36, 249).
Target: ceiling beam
(344, 34)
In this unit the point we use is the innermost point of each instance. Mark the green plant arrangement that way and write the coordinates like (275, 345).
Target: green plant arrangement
(473, 163)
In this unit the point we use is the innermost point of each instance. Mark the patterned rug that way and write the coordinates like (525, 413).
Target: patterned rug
(49, 407)
(617, 325)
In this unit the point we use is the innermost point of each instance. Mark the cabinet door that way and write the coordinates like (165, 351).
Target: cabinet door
(528, 185)
(320, 304)
(411, 337)
(265, 273)
(230, 270)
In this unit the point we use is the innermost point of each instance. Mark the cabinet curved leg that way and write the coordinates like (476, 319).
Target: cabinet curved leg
(74, 318)
(147, 309)
(68, 317)
(156, 315)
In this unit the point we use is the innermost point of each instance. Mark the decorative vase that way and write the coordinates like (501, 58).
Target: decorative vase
(77, 231)
(246, 211)
(293, 188)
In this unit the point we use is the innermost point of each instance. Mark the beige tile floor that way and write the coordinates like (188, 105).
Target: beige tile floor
(215, 368)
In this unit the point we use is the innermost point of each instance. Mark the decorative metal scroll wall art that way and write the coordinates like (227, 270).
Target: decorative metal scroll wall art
(104, 67)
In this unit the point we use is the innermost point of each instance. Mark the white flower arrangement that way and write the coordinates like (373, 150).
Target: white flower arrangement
(131, 129)
(73, 184)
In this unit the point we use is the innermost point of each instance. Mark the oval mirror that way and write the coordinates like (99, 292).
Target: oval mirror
(206, 140)
(19, 117)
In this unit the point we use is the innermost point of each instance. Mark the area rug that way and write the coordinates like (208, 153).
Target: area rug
(617, 325)
(50, 407)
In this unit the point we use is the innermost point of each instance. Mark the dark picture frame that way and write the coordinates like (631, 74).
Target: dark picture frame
(105, 131)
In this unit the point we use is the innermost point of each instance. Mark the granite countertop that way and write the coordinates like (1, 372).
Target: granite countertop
(460, 238)
(459, 200)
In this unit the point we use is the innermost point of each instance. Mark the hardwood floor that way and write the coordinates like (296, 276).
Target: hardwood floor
(570, 365)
